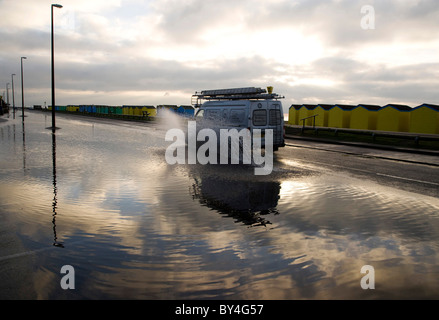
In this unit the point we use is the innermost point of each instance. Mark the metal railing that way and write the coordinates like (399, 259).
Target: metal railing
(314, 121)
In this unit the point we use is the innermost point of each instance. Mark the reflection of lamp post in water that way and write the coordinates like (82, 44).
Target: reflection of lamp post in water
(24, 146)
(55, 240)
(55, 201)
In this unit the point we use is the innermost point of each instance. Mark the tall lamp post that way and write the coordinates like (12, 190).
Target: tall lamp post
(13, 94)
(7, 94)
(22, 90)
(53, 73)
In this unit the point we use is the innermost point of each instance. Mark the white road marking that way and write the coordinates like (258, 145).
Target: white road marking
(369, 172)
(407, 179)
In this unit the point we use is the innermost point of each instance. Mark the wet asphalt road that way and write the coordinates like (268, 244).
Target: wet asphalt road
(411, 172)
(135, 227)
(408, 171)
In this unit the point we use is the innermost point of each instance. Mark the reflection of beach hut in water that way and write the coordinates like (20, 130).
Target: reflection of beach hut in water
(425, 119)
(163, 107)
(186, 111)
(394, 117)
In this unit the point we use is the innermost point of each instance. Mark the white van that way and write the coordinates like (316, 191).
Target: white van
(242, 108)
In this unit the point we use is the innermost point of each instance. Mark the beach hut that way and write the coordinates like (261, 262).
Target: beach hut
(127, 110)
(150, 110)
(425, 119)
(293, 114)
(137, 110)
(116, 110)
(186, 111)
(340, 116)
(168, 107)
(306, 111)
(322, 110)
(73, 108)
(394, 117)
(364, 117)
(60, 108)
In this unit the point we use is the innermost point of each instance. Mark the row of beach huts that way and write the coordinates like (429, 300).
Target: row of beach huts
(126, 110)
(392, 117)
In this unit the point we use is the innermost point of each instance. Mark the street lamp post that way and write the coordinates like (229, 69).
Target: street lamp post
(22, 90)
(53, 72)
(13, 94)
(7, 94)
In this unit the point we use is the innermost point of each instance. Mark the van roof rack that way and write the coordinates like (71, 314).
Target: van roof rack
(234, 94)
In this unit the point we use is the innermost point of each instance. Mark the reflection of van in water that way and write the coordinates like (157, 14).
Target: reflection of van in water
(236, 193)
(242, 108)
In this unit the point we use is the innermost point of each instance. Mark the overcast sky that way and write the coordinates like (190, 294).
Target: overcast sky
(151, 52)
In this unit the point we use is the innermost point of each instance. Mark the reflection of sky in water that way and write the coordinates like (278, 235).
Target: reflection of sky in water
(134, 227)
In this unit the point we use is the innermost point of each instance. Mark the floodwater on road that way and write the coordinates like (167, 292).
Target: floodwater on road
(99, 196)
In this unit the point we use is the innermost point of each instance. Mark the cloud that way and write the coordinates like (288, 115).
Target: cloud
(126, 50)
